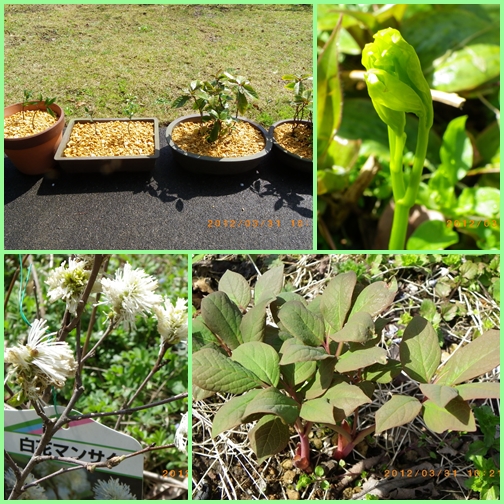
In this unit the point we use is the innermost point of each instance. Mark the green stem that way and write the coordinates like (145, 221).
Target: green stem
(405, 199)
(396, 144)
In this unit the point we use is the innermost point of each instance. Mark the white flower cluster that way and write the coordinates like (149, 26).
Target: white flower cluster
(181, 433)
(68, 281)
(172, 320)
(112, 489)
(40, 363)
(130, 293)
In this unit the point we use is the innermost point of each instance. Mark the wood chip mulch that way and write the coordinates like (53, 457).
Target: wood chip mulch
(298, 140)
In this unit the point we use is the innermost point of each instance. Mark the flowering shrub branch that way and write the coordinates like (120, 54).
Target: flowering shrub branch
(47, 361)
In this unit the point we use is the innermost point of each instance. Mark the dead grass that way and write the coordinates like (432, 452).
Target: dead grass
(406, 447)
(95, 55)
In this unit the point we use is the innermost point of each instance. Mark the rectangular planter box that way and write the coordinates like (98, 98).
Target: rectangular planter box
(109, 164)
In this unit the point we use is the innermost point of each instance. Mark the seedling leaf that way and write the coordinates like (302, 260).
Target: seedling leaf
(398, 411)
(476, 358)
(259, 358)
(346, 397)
(236, 287)
(271, 401)
(439, 394)
(318, 410)
(358, 359)
(358, 329)
(253, 323)
(337, 299)
(419, 350)
(231, 413)
(214, 371)
(268, 437)
(269, 284)
(375, 298)
(304, 325)
(222, 317)
(456, 415)
(294, 352)
(484, 390)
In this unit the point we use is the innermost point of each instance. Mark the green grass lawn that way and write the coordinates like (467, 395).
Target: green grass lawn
(97, 55)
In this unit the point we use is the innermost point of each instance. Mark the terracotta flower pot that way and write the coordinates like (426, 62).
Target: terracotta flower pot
(286, 157)
(197, 163)
(34, 154)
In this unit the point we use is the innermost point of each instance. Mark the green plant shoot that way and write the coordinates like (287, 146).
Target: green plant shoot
(397, 85)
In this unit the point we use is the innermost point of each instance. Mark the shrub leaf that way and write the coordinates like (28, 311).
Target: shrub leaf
(399, 410)
(259, 358)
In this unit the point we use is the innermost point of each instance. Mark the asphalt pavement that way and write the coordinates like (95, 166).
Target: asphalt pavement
(269, 208)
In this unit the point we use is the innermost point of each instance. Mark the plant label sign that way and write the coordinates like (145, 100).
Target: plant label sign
(87, 441)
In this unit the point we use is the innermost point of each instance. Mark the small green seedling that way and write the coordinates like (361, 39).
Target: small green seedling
(305, 480)
(90, 112)
(397, 85)
(130, 109)
(46, 101)
(302, 101)
(213, 98)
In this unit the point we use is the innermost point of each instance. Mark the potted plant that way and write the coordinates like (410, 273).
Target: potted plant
(293, 138)
(32, 133)
(110, 145)
(216, 141)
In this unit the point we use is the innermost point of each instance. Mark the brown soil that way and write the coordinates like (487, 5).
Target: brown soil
(17, 127)
(111, 138)
(244, 140)
(298, 140)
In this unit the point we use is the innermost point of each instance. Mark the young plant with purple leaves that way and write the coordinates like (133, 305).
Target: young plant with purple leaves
(322, 360)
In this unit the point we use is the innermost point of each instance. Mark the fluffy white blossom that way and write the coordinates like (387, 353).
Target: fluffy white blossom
(33, 493)
(112, 489)
(41, 362)
(68, 281)
(172, 320)
(181, 434)
(130, 293)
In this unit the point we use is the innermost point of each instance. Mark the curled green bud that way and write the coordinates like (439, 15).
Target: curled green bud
(395, 80)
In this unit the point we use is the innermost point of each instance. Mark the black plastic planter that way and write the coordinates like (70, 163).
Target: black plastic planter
(197, 163)
(107, 164)
(286, 158)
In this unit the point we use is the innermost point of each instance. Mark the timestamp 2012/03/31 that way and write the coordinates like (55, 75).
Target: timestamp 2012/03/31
(256, 223)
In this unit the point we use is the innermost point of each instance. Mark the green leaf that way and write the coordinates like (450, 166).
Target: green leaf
(458, 50)
(236, 287)
(298, 372)
(483, 390)
(482, 201)
(222, 317)
(231, 412)
(358, 329)
(294, 352)
(271, 401)
(201, 335)
(399, 410)
(253, 323)
(213, 371)
(281, 299)
(419, 350)
(259, 358)
(375, 298)
(456, 415)
(180, 101)
(477, 358)
(346, 397)
(269, 437)
(323, 379)
(358, 359)
(456, 151)
(269, 284)
(382, 373)
(432, 235)
(304, 325)
(199, 394)
(318, 410)
(329, 97)
(439, 394)
(336, 299)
